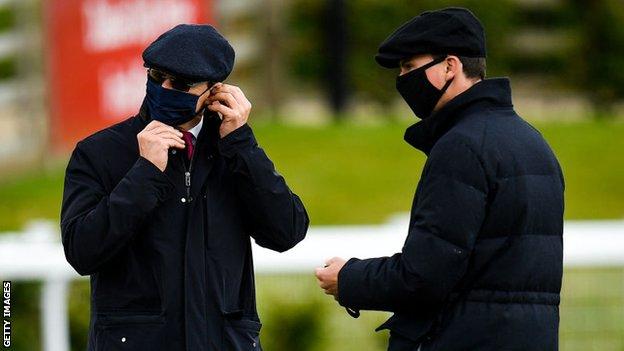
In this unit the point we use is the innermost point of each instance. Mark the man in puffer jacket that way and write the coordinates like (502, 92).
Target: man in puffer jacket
(481, 267)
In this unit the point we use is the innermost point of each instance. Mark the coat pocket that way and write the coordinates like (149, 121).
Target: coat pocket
(129, 332)
(241, 334)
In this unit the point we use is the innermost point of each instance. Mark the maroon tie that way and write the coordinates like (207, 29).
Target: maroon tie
(188, 140)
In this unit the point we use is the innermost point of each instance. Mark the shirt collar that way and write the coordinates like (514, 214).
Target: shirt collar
(195, 130)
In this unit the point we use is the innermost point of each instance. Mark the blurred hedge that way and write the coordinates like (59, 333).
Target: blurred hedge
(369, 23)
(589, 62)
(599, 63)
(7, 22)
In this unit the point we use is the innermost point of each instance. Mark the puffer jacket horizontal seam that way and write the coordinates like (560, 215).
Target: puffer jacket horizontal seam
(501, 237)
(513, 297)
(511, 302)
(527, 175)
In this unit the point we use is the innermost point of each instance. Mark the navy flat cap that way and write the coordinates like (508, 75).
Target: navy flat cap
(193, 51)
(452, 31)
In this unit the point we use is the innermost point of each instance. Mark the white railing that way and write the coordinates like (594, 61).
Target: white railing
(36, 254)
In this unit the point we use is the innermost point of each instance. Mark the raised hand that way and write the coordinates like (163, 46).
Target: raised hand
(156, 139)
(234, 107)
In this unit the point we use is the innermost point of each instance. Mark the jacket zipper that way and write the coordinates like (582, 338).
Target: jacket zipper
(187, 177)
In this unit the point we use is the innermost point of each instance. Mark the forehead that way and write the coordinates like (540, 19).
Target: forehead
(417, 60)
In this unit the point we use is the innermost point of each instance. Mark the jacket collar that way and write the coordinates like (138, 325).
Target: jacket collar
(488, 93)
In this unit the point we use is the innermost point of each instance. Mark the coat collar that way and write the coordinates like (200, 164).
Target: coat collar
(489, 93)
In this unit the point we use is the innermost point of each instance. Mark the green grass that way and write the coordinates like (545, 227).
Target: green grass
(35, 194)
(363, 174)
(591, 155)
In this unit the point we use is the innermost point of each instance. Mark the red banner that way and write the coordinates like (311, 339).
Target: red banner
(95, 71)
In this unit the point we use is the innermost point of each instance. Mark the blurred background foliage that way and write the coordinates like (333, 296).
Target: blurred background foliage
(369, 23)
(568, 44)
(598, 62)
(7, 65)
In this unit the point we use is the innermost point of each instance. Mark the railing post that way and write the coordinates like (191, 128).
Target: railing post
(54, 321)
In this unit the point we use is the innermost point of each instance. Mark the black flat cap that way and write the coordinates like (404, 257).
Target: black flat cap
(194, 51)
(453, 31)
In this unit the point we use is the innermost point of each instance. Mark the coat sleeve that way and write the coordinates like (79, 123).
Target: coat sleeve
(446, 218)
(96, 225)
(278, 218)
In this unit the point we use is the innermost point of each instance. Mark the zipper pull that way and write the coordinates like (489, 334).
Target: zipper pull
(187, 179)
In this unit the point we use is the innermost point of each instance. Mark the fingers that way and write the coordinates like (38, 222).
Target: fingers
(165, 135)
(165, 129)
(330, 261)
(323, 284)
(235, 91)
(158, 125)
(328, 286)
(153, 124)
(173, 143)
(168, 133)
(321, 275)
(319, 272)
(159, 129)
(230, 102)
(216, 106)
(178, 143)
(225, 98)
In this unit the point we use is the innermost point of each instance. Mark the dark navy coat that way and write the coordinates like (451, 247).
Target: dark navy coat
(172, 270)
(481, 267)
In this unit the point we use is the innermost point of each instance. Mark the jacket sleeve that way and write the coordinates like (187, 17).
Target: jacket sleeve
(278, 218)
(96, 225)
(446, 218)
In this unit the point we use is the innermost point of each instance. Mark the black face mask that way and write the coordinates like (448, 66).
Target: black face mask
(170, 106)
(418, 92)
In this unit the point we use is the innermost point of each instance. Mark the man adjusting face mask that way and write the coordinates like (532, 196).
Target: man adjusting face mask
(161, 209)
(417, 90)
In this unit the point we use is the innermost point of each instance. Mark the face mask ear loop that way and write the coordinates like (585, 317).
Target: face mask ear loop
(448, 83)
(424, 67)
(204, 92)
(435, 62)
(201, 111)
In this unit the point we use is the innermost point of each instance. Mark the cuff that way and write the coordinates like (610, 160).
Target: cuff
(237, 140)
(347, 284)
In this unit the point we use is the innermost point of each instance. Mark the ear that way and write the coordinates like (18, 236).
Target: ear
(454, 67)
